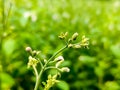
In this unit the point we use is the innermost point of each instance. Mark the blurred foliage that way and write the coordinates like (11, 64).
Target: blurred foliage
(37, 23)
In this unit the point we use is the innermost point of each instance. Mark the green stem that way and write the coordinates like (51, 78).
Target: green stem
(44, 66)
(56, 54)
(38, 79)
(36, 72)
(40, 63)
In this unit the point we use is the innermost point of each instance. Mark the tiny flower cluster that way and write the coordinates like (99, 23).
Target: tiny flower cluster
(50, 82)
(32, 52)
(58, 61)
(32, 61)
(63, 35)
(83, 43)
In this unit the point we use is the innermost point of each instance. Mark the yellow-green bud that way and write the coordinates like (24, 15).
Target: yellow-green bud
(70, 45)
(34, 53)
(45, 60)
(85, 42)
(74, 36)
(60, 58)
(58, 63)
(65, 69)
(76, 46)
(84, 39)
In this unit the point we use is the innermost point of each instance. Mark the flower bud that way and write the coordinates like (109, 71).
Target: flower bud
(58, 63)
(34, 53)
(65, 69)
(84, 39)
(70, 45)
(60, 58)
(45, 60)
(74, 36)
(76, 46)
(66, 33)
(28, 49)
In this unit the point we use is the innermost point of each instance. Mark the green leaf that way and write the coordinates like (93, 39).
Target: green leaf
(8, 46)
(63, 85)
(7, 81)
(99, 71)
(87, 59)
(111, 85)
(116, 50)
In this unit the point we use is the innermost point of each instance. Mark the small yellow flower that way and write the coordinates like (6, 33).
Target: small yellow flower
(85, 41)
(63, 35)
(50, 82)
(32, 61)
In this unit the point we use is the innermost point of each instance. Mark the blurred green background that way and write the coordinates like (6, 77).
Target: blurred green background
(37, 23)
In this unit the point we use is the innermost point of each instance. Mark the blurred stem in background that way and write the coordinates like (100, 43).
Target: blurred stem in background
(3, 14)
(1, 37)
(5, 17)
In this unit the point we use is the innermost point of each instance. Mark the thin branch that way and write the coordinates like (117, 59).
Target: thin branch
(40, 63)
(36, 72)
(56, 54)
(38, 79)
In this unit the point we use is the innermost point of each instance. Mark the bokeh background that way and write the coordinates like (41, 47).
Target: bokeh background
(37, 23)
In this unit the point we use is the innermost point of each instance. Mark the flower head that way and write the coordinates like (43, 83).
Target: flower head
(85, 41)
(28, 49)
(63, 35)
(32, 61)
(50, 82)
